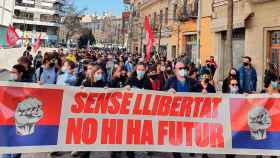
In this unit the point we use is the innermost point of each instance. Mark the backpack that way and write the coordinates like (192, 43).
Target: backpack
(41, 72)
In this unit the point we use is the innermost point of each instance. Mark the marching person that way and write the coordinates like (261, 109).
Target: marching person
(139, 78)
(247, 76)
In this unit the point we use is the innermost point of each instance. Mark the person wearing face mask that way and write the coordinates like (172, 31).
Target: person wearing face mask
(94, 77)
(205, 86)
(271, 84)
(47, 74)
(139, 79)
(15, 76)
(247, 76)
(67, 76)
(154, 79)
(233, 74)
(129, 65)
(180, 82)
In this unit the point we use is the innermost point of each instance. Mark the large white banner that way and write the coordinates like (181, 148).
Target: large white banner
(50, 118)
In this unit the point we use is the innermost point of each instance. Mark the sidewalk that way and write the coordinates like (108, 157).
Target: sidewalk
(138, 155)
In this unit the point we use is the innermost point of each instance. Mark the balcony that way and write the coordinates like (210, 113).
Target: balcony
(259, 1)
(188, 10)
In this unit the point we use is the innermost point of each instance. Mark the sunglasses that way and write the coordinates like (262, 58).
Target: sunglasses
(182, 68)
(234, 84)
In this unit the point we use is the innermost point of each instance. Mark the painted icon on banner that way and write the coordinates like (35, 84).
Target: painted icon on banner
(27, 117)
(259, 121)
(28, 113)
(255, 123)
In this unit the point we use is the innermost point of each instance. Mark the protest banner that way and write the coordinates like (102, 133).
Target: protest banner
(52, 118)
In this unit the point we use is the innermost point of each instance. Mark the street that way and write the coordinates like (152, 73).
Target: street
(139, 155)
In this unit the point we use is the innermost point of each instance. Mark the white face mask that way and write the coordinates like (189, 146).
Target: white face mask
(162, 68)
(13, 77)
(183, 73)
(234, 90)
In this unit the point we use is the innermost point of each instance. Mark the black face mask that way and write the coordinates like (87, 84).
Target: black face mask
(153, 77)
(52, 64)
(207, 80)
(169, 71)
(123, 78)
(246, 64)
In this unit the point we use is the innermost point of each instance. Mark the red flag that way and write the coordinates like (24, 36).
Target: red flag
(11, 36)
(37, 44)
(149, 38)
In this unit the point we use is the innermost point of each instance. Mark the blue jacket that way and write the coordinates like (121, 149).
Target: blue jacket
(242, 78)
(172, 83)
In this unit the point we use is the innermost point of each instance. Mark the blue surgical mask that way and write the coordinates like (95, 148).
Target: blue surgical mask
(274, 84)
(140, 74)
(98, 77)
(183, 73)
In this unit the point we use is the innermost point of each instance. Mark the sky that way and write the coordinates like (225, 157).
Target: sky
(98, 6)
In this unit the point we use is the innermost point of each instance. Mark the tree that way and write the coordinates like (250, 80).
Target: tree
(86, 37)
(72, 20)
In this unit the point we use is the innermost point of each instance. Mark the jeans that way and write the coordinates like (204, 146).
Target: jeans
(11, 156)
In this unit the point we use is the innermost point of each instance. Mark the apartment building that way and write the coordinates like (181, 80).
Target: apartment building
(107, 29)
(32, 18)
(256, 34)
(6, 13)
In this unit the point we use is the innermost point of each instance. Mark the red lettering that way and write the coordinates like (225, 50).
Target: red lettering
(189, 130)
(216, 102)
(80, 104)
(164, 106)
(74, 131)
(216, 136)
(126, 103)
(137, 110)
(156, 103)
(175, 105)
(114, 109)
(108, 135)
(162, 132)
(175, 133)
(202, 134)
(146, 110)
(186, 107)
(147, 133)
(133, 131)
(197, 102)
(206, 108)
(89, 102)
(102, 103)
(89, 131)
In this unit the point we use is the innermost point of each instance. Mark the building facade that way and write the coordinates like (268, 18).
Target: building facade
(256, 34)
(177, 26)
(107, 29)
(38, 17)
(6, 13)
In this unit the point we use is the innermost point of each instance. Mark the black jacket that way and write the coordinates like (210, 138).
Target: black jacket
(144, 83)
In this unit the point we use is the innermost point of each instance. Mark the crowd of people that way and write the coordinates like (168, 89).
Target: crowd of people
(120, 69)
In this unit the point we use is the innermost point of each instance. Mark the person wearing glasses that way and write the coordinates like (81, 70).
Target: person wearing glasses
(233, 75)
(180, 82)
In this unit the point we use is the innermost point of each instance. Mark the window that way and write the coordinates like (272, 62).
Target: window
(175, 11)
(161, 16)
(191, 47)
(166, 16)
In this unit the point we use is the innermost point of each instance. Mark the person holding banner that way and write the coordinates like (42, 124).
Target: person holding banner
(94, 77)
(180, 82)
(47, 73)
(139, 78)
(67, 76)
